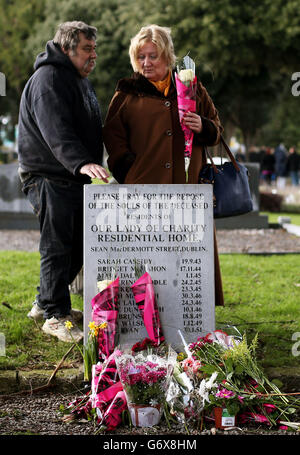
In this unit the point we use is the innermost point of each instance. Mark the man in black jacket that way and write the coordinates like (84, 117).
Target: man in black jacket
(60, 149)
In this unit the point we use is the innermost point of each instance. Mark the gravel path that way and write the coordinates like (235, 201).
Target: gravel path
(229, 241)
(39, 414)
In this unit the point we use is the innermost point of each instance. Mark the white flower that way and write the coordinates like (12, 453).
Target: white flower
(205, 387)
(101, 285)
(186, 75)
(203, 391)
(202, 388)
(211, 382)
(185, 381)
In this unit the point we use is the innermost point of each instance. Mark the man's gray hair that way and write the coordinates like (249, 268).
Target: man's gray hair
(67, 35)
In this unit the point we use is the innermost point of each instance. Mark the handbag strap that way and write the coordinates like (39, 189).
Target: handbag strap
(232, 159)
(229, 153)
(211, 160)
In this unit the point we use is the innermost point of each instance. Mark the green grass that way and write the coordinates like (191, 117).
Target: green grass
(260, 296)
(25, 344)
(273, 217)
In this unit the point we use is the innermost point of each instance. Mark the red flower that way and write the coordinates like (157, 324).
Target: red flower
(187, 364)
(142, 345)
(269, 407)
(250, 416)
(217, 334)
(261, 418)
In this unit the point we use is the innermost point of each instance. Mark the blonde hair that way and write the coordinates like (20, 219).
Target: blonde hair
(160, 36)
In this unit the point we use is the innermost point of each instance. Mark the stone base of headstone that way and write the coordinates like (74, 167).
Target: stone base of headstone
(15, 209)
(252, 220)
(19, 221)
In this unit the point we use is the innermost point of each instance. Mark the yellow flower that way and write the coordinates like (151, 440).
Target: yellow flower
(103, 325)
(68, 325)
(94, 329)
(180, 356)
(92, 326)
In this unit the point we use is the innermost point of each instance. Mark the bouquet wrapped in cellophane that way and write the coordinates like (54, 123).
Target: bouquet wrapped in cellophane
(144, 295)
(186, 86)
(189, 388)
(107, 395)
(221, 371)
(105, 308)
(145, 378)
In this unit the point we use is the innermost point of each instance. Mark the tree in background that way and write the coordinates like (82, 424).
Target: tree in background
(245, 52)
(114, 20)
(284, 123)
(17, 19)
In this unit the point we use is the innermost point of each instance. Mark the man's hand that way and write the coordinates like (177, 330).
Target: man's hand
(95, 171)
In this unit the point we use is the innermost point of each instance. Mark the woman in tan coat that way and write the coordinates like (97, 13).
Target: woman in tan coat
(142, 132)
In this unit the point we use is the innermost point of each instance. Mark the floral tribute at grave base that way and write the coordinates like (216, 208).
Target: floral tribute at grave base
(216, 381)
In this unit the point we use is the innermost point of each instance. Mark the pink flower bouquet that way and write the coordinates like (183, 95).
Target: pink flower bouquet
(145, 380)
(186, 86)
(144, 295)
(107, 394)
(112, 417)
(105, 307)
(105, 378)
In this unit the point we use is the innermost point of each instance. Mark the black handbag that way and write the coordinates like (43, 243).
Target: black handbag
(230, 182)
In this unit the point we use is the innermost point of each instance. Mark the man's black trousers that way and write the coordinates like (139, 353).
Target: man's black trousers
(59, 207)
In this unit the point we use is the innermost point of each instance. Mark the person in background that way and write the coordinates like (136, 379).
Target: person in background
(60, 149)
(254, 155)
(268, 165)
(293, 165)
(280, 156)
(142, 132)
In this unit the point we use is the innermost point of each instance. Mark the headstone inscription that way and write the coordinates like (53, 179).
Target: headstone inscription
(166, 229)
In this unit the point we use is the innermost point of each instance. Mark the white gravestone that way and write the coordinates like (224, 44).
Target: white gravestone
(168, 229)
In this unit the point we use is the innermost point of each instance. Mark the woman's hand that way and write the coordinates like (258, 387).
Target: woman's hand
(193, 121)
